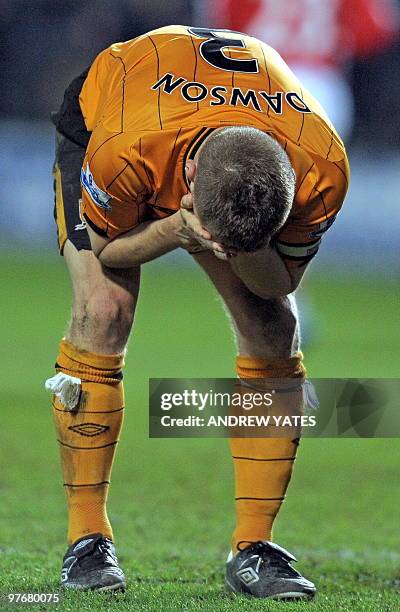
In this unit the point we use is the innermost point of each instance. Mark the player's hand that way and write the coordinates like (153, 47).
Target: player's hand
(202, 238)
(192, 225)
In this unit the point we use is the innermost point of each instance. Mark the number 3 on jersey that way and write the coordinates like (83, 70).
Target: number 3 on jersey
(212, 50)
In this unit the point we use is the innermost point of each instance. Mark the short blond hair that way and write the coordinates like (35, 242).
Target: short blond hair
(244, 187)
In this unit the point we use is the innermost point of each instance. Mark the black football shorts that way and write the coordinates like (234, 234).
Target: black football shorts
(71, 142)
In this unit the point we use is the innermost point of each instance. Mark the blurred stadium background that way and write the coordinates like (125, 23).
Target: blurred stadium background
(46, 43)
(349, 306)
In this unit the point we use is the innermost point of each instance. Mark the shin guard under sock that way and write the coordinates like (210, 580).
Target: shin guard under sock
(263, 466)
(88, 436)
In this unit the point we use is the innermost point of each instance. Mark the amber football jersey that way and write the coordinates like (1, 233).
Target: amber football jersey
(151, 102)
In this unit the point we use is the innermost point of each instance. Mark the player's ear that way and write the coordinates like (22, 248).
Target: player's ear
(190, 170)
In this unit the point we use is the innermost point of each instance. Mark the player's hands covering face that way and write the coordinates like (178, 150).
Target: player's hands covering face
(199, 239)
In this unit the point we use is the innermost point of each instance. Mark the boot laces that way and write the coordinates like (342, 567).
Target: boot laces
(264, 554)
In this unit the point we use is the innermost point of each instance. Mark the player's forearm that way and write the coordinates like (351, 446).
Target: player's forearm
(264, 273)
(144, 243)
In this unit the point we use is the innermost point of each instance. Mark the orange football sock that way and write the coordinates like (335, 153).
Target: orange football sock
(263, 466)
(88, 436)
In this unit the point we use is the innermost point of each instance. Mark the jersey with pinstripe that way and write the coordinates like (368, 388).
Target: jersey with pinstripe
(151, 101)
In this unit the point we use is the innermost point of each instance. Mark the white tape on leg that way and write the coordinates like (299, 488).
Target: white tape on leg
(310, 396)
(66, 388)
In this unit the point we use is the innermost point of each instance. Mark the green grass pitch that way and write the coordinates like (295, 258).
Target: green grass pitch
(171, 500)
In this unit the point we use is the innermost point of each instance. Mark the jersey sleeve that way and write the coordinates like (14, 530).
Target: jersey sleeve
(114, 195)
(319, 198)
(109, 216)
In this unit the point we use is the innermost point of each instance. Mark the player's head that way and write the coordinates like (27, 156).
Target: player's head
(244, 187)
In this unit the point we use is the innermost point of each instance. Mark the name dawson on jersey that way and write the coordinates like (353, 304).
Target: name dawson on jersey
(194, 91)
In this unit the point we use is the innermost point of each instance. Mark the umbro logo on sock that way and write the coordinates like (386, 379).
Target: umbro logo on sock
(89, 429)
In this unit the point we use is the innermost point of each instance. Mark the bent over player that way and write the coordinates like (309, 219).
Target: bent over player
(201, 139)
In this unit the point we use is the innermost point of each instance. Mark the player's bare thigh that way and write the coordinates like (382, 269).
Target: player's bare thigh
(263, 327)
(104, 302)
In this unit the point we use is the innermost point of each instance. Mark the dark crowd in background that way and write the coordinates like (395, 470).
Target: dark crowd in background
(46, 43)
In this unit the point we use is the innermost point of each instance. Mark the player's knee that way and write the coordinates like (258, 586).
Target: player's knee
(280, 318)
(286, 310)
(276, 313)
(271, 324)
(105, 315)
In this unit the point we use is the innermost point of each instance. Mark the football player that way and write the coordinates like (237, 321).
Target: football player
(201, 139)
